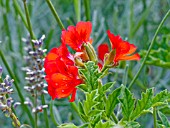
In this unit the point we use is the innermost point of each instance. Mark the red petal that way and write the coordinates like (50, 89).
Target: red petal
(76, 36)
(84, 30)
(132, 57)
(102, 50)
(73, 96)
(132, 49)
(115, 40)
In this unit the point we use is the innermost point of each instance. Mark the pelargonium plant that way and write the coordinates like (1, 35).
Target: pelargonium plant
(104, 105)
(72, 85)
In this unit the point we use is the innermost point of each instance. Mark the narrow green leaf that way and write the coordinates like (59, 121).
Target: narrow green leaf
(112, 101)
(127, 102)
(143, 17)
(143, 104)
(164, 119)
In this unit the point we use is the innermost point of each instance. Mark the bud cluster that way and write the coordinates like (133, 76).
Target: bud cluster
(34, 70)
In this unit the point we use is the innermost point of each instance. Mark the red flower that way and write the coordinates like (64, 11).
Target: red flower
(50, 64)
(62, 75)
(124, 50)
(75, 36)
(102, 50)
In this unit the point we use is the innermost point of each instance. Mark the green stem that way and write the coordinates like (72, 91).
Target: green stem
(77, 8)
(18, 9)
(36, 113)
(17, 87)
(29, 23)
(52, 113)
(55, 14)
(150, 47)
(124, 81)
(154, 117)
(45, 112)
(87, 9)
(73, 105)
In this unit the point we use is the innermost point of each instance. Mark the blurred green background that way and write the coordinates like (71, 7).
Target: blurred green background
(135, 20)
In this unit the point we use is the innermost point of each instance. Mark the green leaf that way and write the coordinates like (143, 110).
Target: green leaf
(143, 104)
(107, 86)
(112, 101)
(82, 87)
(90, 102)
(159, 57)
(127, 102)
(95, 112)
(160, 98)
(102, 125)
(68, 125)
(80, 106)
(164, 119)
(132, 124)
(91, 75)
(84, 125)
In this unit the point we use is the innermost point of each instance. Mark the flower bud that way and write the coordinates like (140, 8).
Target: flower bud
(90, 52)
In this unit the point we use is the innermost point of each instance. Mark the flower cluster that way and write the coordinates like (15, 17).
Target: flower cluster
(61, 67)
(6, 103)
(35, 71)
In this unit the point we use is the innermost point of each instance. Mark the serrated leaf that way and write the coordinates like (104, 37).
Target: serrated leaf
(102, 125)
(82, 87)
(164, 119)
(95, 112)
(84, 125)
(80, 106)
(68, 125)
(90, 102)
(165, 109)
(91, 74)
(143, 104)
(160, 98)
(132, 124)
(112, 101)
(107, 86)
(159, 57)
(127, 102)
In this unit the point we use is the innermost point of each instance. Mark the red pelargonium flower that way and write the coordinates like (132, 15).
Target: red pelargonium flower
(61, 74)
(75, 36)
(102, 50)
(124, 50)
(50, 64)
